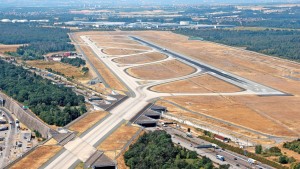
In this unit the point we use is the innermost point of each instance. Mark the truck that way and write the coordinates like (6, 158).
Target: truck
(220, 157)
(251, 161)
(188, 134)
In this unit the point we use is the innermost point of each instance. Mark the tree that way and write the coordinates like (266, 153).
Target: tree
(258, 149)
(283, 159)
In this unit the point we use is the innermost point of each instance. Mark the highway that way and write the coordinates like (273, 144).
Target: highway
(8, 139)
(231, 78)
(231, 158)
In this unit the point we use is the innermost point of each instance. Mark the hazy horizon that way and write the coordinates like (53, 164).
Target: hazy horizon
(49, 3)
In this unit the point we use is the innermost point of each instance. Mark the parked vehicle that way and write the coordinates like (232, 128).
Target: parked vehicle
(251, 161)
(220, 157)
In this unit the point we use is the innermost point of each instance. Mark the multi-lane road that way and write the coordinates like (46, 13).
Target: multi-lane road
(231, 158)
(4, 159)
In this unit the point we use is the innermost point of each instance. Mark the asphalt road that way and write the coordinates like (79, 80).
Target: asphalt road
(8, 139)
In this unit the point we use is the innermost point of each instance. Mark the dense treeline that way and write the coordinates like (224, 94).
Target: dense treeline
(155, 150)
(53, 104)
(294, 145)
(74, 62)
(37, 40)
(280, 43)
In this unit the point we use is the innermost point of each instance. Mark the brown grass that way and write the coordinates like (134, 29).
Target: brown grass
(231, 109)
(269, 71)
(123, 45)
(118, 139)
(8, 48)
(113, 51)
(103, 70)
(201, 84)
(142, 58)
(88, 121)
(159, 71)
(65, 69)
(37, 158)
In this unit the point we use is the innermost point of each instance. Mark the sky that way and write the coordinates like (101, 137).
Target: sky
(128, 2)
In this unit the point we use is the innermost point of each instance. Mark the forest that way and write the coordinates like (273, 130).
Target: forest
(281, 43)
(155, 150)
(53, 104)
(37, 40)
(74, 62)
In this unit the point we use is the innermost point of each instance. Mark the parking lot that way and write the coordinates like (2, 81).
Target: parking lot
(15, 138)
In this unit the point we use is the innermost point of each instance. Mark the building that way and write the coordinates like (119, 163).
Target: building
(3, 127)
(2, 120)
(2, 102)
(221, 138)
(158, 108)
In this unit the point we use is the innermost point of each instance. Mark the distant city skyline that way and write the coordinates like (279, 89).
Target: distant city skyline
(20, 3)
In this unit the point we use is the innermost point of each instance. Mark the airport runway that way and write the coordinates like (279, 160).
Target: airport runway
(254, 87)
(80, 149)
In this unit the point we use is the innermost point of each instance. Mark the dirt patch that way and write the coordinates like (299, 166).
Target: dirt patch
(38, 157)
(113, 51)
(65, 69)
(109, 77)
(142, 58)
(8, 48)
(162, 70)
(232, 110)
(88, 121)
(117, 140)
(201, 84)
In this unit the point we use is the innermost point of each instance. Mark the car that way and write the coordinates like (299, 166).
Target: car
(178, 143)
(237, 165)
(235, 158)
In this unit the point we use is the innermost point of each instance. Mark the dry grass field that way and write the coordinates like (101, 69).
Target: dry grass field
(37, 158)
(114, 51)
(8, 48)
(65, 69)
(267, 70)
(117, 140)
(122, 45)
(103, 70)
(200, 84)
(231, 109)
(142, 58)
(88, 121)
(159, 71)
(276, 115)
